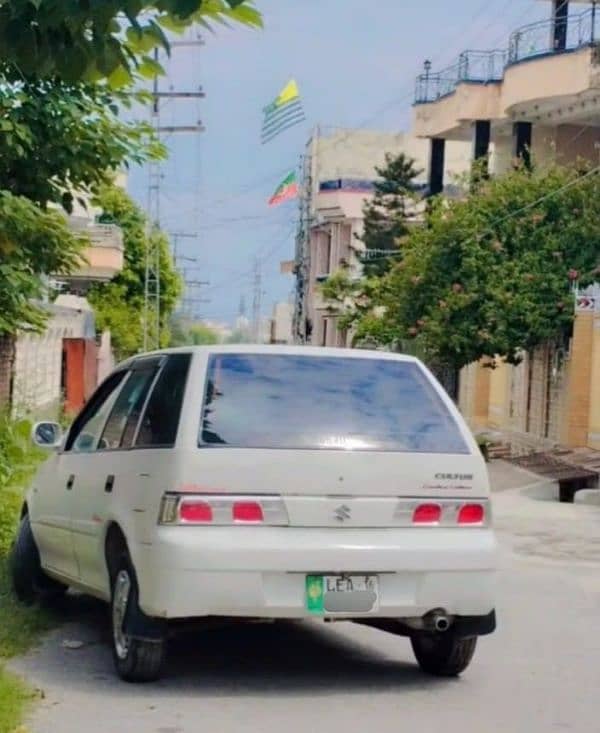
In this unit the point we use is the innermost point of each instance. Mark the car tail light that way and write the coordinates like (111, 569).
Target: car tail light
(222, 510)
(247, 511)
(471, 514)
(195, 512)
(444, 513)
(427, 514)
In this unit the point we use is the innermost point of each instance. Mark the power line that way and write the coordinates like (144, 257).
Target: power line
(176, 236)
(258, 183)
(264, 257)
(513, 214)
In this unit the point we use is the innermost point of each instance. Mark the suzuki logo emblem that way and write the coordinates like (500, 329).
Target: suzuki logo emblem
(342, 513)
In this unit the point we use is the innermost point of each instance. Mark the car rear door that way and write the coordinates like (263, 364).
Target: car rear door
(106, 465)
(61, 479)
(353, 441)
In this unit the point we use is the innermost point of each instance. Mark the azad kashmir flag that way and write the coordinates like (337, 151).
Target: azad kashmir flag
(287, 189)
(284, 112)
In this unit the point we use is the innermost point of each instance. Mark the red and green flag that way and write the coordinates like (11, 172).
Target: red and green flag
(287, 189)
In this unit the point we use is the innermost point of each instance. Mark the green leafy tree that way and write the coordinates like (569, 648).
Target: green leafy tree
(79, 40)
(489, 276)
(385, 215)
(192, 334)
(33, 243)
(58, 138)
(119, 304)
(239, 336)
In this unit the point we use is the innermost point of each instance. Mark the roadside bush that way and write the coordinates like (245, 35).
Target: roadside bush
(18, 461)
(19, 626)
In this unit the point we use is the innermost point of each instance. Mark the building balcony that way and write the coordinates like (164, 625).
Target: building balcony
(549, 74)
(103, 257)
(472, 67)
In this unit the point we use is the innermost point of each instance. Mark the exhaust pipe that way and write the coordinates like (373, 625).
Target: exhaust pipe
(441, 622)
(437, 620)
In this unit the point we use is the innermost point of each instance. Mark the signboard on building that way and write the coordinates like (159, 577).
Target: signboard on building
(346, 184)
(587, 304)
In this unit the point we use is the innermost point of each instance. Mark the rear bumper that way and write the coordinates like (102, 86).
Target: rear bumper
(462, 626)
(190, 572)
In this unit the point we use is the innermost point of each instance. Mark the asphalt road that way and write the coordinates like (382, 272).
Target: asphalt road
(538, 673)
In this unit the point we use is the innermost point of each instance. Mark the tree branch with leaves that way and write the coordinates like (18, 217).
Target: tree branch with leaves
(60, 138)
(78, 40)
(32, 243)
(491, 275)
(386, 214)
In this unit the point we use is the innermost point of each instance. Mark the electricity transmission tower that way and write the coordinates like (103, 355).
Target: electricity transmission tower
(152, 285)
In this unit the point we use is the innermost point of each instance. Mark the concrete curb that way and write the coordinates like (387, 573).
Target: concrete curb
(544, 490)
(588, 497)
(548, 490)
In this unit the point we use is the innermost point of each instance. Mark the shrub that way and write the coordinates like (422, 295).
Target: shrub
(18, 462)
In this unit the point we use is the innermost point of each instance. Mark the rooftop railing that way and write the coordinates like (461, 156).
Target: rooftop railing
(544, 38)
(478, 67)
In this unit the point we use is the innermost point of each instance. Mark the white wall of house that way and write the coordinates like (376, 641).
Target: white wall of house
(281, 324)
(37, 371)
(106, 358)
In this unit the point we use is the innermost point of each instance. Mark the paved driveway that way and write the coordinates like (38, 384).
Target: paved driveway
(538, 673)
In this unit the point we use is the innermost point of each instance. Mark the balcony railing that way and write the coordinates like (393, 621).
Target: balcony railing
(551, 37)
(530, 41)
(478, 67)
(100, 235)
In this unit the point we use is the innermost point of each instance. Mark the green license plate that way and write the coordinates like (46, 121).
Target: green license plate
(341, 593)
(315, 594)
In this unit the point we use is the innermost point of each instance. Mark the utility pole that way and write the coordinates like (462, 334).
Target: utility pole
(175, 237)
(152, 287)
(257, 300)
(193, 296)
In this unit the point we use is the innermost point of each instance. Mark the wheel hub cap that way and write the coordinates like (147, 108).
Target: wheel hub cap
(120, 602)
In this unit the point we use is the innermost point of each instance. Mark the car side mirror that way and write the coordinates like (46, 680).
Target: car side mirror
(47, 435)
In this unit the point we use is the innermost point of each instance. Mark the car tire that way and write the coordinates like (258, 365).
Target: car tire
(136, 660)
(29, 581)
(443, 655)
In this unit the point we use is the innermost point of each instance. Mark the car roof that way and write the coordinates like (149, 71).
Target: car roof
(315, 351)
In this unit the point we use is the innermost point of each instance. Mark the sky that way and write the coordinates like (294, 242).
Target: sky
(355, 63)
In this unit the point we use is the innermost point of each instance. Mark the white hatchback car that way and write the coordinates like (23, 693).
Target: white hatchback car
(266, 483)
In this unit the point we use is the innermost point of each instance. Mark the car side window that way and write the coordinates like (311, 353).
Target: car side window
(161, 417)
(86, 429)
(124, 417)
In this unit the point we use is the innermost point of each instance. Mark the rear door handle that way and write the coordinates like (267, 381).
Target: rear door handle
(109, 485)
(70, 482)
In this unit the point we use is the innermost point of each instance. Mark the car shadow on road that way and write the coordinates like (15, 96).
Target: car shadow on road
(290, 657)
(231, 659)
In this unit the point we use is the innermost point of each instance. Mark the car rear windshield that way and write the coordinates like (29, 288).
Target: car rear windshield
(307, 402)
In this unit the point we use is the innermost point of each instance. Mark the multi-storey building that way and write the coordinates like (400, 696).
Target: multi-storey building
(339, 171)
(536, 99)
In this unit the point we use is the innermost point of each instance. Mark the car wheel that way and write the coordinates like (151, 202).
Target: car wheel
(29, 581)
(443, 655)
(136, 660)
